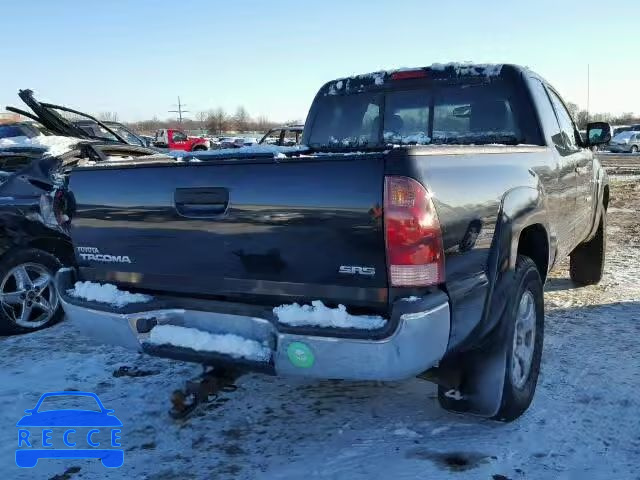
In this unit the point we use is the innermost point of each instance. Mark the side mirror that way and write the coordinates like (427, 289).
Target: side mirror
(598, 133)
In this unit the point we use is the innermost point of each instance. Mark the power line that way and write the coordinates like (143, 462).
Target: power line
(180, 110)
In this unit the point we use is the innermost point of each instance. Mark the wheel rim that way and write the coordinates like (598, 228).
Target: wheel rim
(27, 295)
(524, 339)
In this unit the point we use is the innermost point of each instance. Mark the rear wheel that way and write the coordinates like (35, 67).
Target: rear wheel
(525, 332)
(28, 299)
(499, 380)
(586, 264)
(199, 148)
(634, 149)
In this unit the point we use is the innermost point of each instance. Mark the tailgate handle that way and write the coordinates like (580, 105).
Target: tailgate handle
(201, 202)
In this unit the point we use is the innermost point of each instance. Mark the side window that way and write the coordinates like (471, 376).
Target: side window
(179, 136)
(566, 123)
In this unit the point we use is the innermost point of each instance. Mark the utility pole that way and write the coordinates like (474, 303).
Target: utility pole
(588, 88)
(180, 110)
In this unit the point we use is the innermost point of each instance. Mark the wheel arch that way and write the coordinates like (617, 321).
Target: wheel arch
(59, 247)
(525, 217)
(522, 228)
(533, 242)
(602, 197)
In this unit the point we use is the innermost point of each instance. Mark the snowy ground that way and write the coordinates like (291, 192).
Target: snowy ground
(584, 422)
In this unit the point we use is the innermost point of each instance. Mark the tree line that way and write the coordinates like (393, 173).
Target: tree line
(582, 117)
(215, 122)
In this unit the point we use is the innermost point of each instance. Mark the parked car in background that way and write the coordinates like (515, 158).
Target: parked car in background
(99, 131)
(285, 136)
(237, 142)
(35, 213)
(34, 239)
(616, 129)
(177, 140)
(400, 243)
(214, 142)
(21, 129)
(148, 140)
(227, 142)
(625, 142)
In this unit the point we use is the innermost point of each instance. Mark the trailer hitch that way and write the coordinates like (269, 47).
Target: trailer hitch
(202, 389)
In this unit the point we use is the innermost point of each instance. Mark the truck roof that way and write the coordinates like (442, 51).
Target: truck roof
(443, 71)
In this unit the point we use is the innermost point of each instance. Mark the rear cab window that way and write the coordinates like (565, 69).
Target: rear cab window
(461, 112)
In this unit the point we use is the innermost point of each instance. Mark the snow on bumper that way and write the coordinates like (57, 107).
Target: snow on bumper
(416, 344)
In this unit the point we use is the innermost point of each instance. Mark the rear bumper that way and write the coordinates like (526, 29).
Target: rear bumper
(417, 343)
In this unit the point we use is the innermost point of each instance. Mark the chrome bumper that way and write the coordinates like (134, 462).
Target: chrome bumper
(418, 342)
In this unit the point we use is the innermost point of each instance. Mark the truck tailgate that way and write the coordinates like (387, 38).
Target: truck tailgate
(264, 232)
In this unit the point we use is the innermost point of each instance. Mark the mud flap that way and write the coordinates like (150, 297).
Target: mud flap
(482, 383)
(483, 369)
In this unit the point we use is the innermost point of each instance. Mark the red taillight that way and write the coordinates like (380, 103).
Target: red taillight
(408, 74)
(413, 236)
(60, 208)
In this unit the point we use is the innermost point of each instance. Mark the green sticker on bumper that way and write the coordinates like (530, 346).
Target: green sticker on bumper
(300, 355)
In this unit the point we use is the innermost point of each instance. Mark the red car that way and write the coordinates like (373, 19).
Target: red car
(177, 140)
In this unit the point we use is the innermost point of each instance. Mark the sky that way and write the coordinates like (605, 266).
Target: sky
(136, 57)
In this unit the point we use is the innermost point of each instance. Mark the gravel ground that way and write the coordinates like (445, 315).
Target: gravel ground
(584, 422)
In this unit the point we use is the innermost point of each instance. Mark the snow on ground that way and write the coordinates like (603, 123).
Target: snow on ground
(55, 145)
(106, 293)
(228, 344)
(584, 423)
(319, 315)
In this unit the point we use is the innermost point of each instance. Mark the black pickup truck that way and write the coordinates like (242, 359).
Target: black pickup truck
(411, 236)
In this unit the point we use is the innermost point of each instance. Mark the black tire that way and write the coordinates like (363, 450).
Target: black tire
(516, 399)
(487, 387)
(199, 148)
(14, 259)
(586, 263)
(634, 149)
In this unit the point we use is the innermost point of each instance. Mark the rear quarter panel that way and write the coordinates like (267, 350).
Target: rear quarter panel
(478, 191)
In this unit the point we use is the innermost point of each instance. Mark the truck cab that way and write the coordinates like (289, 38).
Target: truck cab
(177, 140)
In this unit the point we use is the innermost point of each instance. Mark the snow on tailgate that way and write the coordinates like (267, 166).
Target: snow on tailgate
(106, 293)
(227, 344)
(318, 315)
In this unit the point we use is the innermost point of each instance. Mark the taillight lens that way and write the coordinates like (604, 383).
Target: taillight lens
(55, 209)
(60, 208)
(413, 236)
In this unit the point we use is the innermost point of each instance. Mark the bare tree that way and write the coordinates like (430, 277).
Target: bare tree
(108, 116)
(241, 119)
(217, 121)
(263, 123)
(202, 118)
